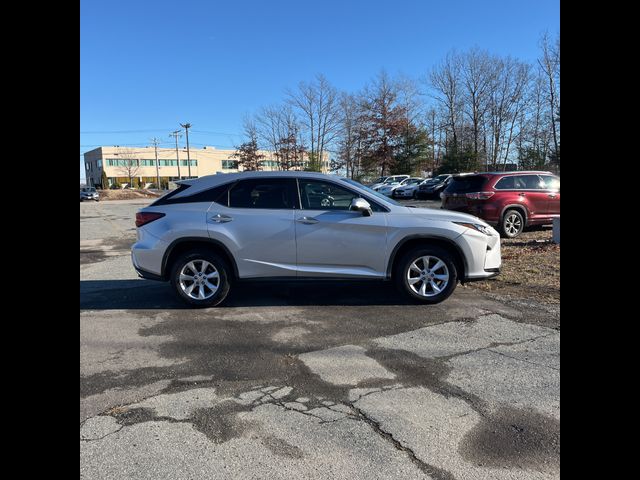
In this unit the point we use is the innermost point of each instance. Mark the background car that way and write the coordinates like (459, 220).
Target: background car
(510, 201)
(376, 182)
(432, 187)
(387, 188)
(392, 180)
(89, 193)
(408, 189)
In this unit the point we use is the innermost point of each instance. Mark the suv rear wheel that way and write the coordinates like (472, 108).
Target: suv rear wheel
(427, 274)
(200, 278)
(512, 224)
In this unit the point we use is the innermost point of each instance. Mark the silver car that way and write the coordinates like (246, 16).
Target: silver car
(89, 193)
(215, 232)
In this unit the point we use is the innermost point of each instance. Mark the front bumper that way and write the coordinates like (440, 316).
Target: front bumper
(482, 254)
(490, 273)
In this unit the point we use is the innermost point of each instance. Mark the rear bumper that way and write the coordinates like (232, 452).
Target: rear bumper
(148, 275)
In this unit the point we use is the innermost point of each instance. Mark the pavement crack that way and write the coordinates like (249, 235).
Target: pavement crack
(435, 472)
(102, 437)
(523, 360)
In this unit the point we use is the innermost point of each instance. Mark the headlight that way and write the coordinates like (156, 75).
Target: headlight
(476, 226)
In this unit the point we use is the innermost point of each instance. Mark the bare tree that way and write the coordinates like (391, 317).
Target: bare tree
(445, 80)
(318, 105)
(478, 72)
(129, 164)
(549, 64)
(350, 137)
(277, 125)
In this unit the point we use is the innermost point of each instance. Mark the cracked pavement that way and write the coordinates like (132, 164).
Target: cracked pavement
(290, 381)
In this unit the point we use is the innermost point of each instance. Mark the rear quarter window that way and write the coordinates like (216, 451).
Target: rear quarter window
(506, 183)
(466, 184)
(216, 194)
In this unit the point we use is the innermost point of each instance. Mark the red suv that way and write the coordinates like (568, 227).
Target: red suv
(508, 200)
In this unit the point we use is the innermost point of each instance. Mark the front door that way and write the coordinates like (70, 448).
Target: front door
(333, 241)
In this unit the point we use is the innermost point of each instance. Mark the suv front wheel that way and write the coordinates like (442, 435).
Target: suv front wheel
(200, 278)
(427, 274)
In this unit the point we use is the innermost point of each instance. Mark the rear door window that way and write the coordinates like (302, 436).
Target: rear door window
(265, 193)
(529, 182)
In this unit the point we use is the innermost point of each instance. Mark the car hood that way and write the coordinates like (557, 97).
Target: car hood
(445, 215)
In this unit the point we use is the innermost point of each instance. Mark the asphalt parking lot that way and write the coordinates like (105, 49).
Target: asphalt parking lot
(288, 381)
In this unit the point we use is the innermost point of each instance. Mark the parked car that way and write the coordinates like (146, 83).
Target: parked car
(432, 187)
(89, 193)
(388, 188)
(392, 180)
(376, 182)
(407, 189)
(215, 232)
(510, 201)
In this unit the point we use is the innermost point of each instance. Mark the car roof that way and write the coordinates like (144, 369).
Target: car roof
(226, 177)
(515, 172)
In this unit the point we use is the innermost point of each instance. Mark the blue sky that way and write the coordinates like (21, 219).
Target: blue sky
(146, 66)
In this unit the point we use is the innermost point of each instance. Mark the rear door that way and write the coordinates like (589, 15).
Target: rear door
(257, 218)
(333, 241)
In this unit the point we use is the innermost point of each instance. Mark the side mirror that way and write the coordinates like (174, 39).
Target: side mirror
(361, 205)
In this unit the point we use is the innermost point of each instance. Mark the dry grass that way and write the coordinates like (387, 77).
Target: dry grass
(126, 194)
(530, 268)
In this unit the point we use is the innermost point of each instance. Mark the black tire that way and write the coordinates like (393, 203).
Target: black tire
(403, 265)
(415, 195)
(217, 262)
(512, 224)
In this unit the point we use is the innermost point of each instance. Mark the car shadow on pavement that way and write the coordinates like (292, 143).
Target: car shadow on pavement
(150, 295)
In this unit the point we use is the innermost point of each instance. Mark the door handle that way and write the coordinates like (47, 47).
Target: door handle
(552, 195)
(522, 194)
(308, 220)
(221, 218)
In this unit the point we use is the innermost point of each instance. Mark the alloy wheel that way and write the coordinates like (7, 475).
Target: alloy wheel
(199, 279)
(428, 276)
(513, 224)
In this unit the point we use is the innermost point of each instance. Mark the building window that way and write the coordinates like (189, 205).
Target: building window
(229, 165)
(185, 164)
(168, 163)
(99, 163)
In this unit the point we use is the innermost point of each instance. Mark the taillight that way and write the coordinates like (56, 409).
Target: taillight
(479, 195)
(142, 218)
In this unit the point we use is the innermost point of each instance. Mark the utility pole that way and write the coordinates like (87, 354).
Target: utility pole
(186, 127)
(177, 134)
(154, 141)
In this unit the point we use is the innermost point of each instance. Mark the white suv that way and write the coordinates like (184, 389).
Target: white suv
(214, 232)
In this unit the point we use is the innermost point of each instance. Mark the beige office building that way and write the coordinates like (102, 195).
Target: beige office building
(139, 162)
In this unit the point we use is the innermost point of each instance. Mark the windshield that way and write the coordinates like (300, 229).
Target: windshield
(89, 189)
(372, 192)
(414, 181)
